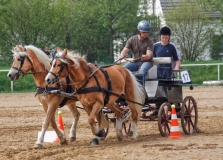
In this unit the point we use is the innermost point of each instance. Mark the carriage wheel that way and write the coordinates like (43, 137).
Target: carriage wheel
(189, 115)
(164, 116)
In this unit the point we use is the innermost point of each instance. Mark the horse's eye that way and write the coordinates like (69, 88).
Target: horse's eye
(19, 59)
(58, 65)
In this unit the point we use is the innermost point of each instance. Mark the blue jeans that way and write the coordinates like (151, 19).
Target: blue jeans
(134, 66)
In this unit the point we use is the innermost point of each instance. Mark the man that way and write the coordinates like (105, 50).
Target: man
(46, 51)
(141, 47)
(165, 48)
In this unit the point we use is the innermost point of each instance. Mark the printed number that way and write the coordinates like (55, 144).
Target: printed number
(185, 76)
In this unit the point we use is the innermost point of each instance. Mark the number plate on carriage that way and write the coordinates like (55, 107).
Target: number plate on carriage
(185, 76)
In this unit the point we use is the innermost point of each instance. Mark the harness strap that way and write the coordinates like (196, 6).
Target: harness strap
(84, 90)
(68, 90)
(88, 90)
(41, 90)
(109, 86)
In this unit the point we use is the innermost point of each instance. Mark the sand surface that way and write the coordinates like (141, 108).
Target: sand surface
(21, 118)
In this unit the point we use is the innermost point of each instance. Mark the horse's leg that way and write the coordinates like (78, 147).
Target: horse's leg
(76, 115)
(96, 108)
(39, 141)
(118, 125)
(50, 117)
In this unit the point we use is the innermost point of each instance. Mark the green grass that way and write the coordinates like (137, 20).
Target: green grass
(5, 67)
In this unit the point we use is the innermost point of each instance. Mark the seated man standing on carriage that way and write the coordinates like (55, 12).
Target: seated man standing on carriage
(141, 47)
(165, 48)
(142, 50)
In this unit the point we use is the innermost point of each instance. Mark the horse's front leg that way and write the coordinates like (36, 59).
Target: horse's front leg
(76, 115)
(39, 141)
(96, 108)
(50, 117)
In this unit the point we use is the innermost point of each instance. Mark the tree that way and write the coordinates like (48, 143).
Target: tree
(215, 7)
(103, 22)
(35, 22)
(88, 27)
(191, 30)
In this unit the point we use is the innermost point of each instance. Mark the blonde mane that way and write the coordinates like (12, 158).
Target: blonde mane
(74, 57)
(42, 57)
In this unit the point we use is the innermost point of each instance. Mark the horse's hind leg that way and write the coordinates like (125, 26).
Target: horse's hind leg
(76, 115)
(118, 124)
(134, 119)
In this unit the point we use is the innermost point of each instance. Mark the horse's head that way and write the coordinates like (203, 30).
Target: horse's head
(60, 66)
(21, 63)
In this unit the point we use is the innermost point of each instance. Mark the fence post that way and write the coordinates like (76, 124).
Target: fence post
(12, 86)
(218, 72)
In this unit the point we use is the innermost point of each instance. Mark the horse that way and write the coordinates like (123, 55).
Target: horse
(30, 58)
(97, 87)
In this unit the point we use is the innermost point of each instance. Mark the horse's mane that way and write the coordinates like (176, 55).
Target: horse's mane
(42, 57)
(74, 57)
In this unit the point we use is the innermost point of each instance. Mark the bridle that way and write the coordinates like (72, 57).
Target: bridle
(22, 59)
(62, 65)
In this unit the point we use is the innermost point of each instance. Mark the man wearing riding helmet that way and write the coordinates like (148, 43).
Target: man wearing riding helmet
(142, 50)
(165, 48)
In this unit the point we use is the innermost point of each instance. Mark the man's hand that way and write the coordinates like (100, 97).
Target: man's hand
(121, 57)
(144, 57)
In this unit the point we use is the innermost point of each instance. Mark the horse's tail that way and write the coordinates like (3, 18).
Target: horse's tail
(139, 94)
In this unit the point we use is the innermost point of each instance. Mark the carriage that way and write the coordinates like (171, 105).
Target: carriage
(166, 92)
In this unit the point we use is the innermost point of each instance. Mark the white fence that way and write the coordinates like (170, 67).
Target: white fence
(208, 64)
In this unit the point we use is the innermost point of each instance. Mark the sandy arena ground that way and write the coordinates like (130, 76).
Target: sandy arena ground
(21, 118)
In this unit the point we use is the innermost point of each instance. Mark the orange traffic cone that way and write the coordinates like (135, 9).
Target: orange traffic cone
(174, 130)
(60, 124)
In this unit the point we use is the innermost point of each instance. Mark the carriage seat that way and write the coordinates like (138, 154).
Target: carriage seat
(150, 84)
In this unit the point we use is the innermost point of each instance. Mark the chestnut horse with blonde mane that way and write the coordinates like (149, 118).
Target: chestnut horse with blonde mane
(33, 59)
(99, 87)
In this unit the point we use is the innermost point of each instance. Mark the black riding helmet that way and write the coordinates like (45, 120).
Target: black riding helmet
(143, 26)
(165, 31)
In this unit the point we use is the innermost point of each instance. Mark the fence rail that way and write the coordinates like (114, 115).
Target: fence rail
(183, 65)
(208, 64)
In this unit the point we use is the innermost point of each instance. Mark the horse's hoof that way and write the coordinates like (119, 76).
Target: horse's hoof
(101, 133)
(64, 142)
(102, 138)
(37, 146)
(94, 142)
(120, 137)
(72, 139)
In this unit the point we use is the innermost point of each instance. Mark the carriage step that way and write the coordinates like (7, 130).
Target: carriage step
(147, 108)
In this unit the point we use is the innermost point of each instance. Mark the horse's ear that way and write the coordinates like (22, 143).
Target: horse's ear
(20, 47)
(64, 53)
